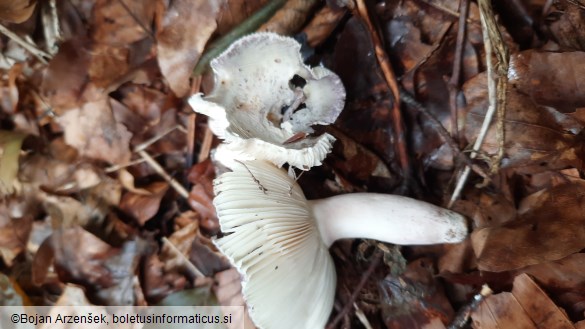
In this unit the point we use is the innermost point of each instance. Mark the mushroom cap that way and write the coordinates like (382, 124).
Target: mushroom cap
(255, 85)
(288, 275)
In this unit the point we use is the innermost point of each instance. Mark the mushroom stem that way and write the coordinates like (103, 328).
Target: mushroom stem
(389, 218)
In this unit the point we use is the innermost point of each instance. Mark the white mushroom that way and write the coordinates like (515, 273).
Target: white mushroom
(265, 101)
(279, 241)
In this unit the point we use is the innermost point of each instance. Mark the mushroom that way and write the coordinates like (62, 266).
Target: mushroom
(279, 241)
(265, 101)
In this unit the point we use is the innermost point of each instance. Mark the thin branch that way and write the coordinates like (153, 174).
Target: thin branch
(364, 279)
(117, 167)
(159, 136)
(160, 170)
(205, 145)
(407, 98)
(464, 314)
(497, 82)
(382, 57)
(33, 49)
(455, 79)
(194, 270)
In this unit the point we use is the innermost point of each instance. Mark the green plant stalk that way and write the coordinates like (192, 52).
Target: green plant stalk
(251, 24)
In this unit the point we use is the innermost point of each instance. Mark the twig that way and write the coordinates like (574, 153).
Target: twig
(497, 82)
(191, 130)
(192, 126)
(455, 79)
(38, 53)
(205, 145)
(390, 78)
(365, 277)
(436, 124)
(249, 25)
(159, 170)
(117, 167)
(188, 263)
(462, 317)
(159, 136)
(362, 317)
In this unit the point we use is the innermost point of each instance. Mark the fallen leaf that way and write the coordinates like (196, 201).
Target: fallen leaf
(106, 272)
(527, 306)
(15, 226)
(122, 22)
(563, 279)
(228, 290)
(534, 237)
(143, 207)
(235, 12)
(565, 24)
(550, 78)
(94, 132)
(538, 138)
(16, 11)
(186, 27)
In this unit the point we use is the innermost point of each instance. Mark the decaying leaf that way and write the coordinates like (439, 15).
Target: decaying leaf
(537, 138)
(186, 27)
(16, 11)
(94, 132)
(15, 225)
(526, 307)
(549, 231)
(122, 23)
(540, 76)
(144, 207)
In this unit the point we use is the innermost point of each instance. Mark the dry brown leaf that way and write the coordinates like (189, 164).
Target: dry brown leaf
(235, 12)
(122, 22)
(186, 27)
(538, 138)
(322, 25)
(94, 132)
(527, 306)
(201, 175)
(290, 18)
(157, 282)
(564, 279)
(551, 230)
(144, 207)
(80, 256)
(228, 290)
(127, 180)
(16, 11)
(550, 78)
(65, 78)
(567, 25)
(106, 272)
(15, 226)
